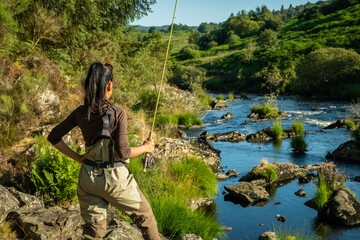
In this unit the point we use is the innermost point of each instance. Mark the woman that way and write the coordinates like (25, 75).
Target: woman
(103, 176)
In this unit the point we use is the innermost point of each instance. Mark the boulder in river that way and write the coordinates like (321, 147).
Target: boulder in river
(232, 173)
(268, 236)
(221, 177)
(349, 151)
(228, 115)
(218, 105)
(248, 192)
(341, 123)
(233, 136)
(341, 208)
(300, 193)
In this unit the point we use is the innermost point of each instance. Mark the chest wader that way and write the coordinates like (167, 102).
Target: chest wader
(100, 152)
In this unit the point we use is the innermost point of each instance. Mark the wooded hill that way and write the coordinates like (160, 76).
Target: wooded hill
(315, 53)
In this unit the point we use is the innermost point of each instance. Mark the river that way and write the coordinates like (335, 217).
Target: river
(251, 222)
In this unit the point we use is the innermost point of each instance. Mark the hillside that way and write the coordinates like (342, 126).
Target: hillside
(273, 60)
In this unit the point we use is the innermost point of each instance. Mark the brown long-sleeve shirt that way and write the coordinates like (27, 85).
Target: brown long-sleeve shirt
(89, 129)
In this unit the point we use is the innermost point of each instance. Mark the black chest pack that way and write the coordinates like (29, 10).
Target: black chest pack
(102, 143)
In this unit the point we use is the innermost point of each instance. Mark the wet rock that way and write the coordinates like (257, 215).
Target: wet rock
(280, 218)
(341, 208)
(199, 202)
(285, 172)
(261, 224)
(349, 151)
(227, 229)
(218, 105)
(189, 237)
(314, 109)
(248, 192)
(221, 177)
(266, 135)
(233, 136)
(357, 179)
(183, 127)
(307, 178)
(227, 116)
(268, 236)
(8, 202)
(301, 193)
(267, 117)
(182, 134)
(338, 124)
(232, 173)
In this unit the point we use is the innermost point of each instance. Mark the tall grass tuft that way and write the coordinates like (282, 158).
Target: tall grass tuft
(265, 170)
(220, 97)
(230, 96)
(298, 128)
(350, 124)
(6, 230)
(54, 175)
(298, 144)
(356, 133)
(276, 130)
(169, 186)
(187, 119)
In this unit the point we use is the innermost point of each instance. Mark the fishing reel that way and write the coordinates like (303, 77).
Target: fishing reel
(149, 161)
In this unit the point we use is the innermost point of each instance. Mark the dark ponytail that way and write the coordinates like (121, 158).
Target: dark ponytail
(95, 86)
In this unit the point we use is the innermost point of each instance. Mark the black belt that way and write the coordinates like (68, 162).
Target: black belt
(102, 164)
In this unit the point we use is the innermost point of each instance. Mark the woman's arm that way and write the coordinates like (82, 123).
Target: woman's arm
(65, 149)
(147, 147)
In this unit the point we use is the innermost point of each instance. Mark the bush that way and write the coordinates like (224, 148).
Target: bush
(277, 131)
(54, 175)
(298, 144)
(220, 97)
(350, 124)
(187, 119)
(298, 128)
(356, 133)
(148, 98)
(230, 96)
(189, 53)
(186, 77)
(169, 186)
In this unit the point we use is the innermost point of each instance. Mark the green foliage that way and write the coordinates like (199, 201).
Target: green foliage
(169, 186)
(220, 97)
(356, 133)
(187, 77)
(268, 38)
(148, 98)
(230, 96)
(276, 130)
(189, 53)
(6, 230)
(350, 124)
(194, 36)
(267, 171)
(187, 119)
(263, 110)
(322, 194)
(298, 128)
(54, 175)
(298, 144)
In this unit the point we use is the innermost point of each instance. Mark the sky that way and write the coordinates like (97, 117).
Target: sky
(194, 12)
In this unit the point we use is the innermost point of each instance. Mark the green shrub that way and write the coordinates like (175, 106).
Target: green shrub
(230, 96)
(322, 194)
(276, 130)
(169, 186)
(298, 144)
(298, 128)
(187, 119)
(148, 99)
(189, 53)
(220, 97)
(350, 124)
(267, 171)
(356, 133)
(54, 175)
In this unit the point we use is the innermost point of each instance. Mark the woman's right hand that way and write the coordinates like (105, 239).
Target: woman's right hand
(149, 145)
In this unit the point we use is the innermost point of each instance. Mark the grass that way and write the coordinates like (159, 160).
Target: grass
(187, 119)
(230, 96)
(264, 110)
(265, 170)
(276, 130)
(220, 97)
(298, 144)
(283, 233)
(169, 186)
(356, 133)
(298, 128)
(6, 230)
(350, 124)
(322, 194)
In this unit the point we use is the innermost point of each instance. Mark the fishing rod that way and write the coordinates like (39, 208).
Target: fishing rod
(149, 161)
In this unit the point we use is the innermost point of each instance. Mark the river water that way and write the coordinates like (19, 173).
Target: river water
(251, 222)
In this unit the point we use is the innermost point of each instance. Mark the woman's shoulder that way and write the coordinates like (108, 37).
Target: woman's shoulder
(119, 112)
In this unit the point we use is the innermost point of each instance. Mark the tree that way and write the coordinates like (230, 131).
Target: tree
(268, 38)
(151, 29)
(194, 36)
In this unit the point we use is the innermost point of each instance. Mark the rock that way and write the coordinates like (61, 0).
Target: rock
(268, 236)
(48, 106)
(349, 151)
(45, 223)
(218, 105)
(232, 173)
(357, 179)
(248, 192)
(261, 224)
(233, 136)
(267, 117)
(183, 127)
(341, 208)
(307, 178)
(301, 193)
(280, 218)
(189, 237)
(182, 134)
(227, 229)
(227, 116)
(338, 124)
(8, 202)
(285, 173)
(221, 177)
(199, 202)
(264, 135)
(26, 199)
